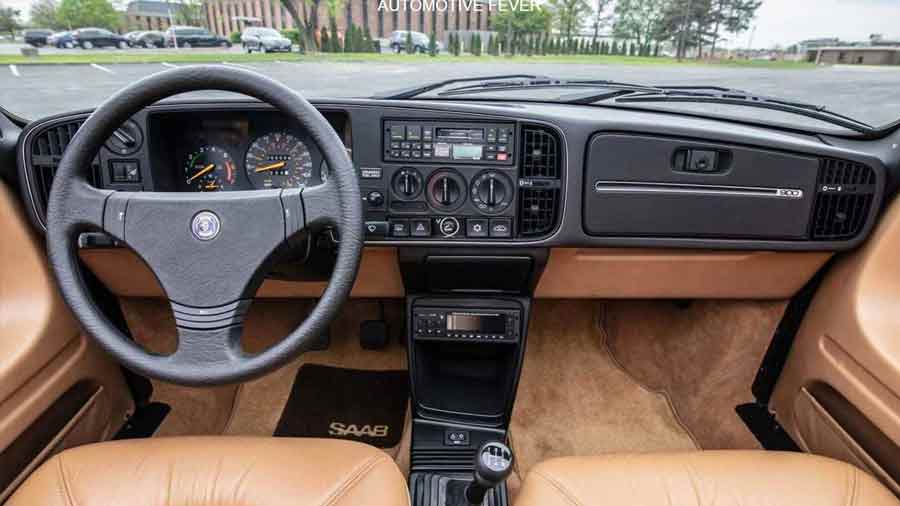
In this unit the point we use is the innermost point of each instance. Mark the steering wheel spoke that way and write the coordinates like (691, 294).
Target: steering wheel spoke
(321, 206)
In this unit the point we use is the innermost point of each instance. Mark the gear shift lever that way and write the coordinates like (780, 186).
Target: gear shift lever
(493, 464)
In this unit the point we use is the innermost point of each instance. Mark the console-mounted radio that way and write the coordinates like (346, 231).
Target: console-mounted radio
(490, 325)
(439, 141)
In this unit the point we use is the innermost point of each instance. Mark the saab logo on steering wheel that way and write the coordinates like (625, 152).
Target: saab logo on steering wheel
(206, 225)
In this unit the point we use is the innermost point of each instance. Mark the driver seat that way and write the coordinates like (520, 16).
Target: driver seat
(216, 471)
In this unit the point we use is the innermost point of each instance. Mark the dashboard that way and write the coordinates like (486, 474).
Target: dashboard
(523, 175)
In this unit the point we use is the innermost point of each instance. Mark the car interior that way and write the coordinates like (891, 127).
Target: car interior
(405, 300)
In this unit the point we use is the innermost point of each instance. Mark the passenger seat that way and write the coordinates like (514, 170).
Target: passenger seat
(706, 478)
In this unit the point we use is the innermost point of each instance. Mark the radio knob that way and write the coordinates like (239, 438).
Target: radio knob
(446, 190)
(448, 226)
(491, 192)
(407, 183)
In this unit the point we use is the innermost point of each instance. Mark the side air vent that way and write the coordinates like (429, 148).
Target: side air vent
(539, 186)
(844, 194)
(47, 148)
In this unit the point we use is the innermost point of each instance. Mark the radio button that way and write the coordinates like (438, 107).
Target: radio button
(399, 228)
(448, 226)
(501, 227)
(398, 133)
(476, 227)
(421, 228)
(414, 133)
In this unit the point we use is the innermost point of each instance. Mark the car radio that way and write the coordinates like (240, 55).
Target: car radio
(441, 141)
(489, 325)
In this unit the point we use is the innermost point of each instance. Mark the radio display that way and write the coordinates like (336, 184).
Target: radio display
(467, 151)
(477, 322)
(460, 133)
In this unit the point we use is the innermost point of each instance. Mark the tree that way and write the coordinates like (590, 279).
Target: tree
(512, 25)
(189, 12)
(43, 14)
(569, 15)
(326, 40)
(9, 20)
(332, 7)
(78, 13)
(410, 48)
(432, 44)
(643, 21)
(734, 16)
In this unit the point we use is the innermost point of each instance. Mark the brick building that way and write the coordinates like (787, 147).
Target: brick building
(149, 15)
(227, 16)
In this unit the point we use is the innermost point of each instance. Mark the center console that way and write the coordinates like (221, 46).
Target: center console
(466, 342)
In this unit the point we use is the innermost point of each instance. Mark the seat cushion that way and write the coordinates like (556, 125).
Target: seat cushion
(711, 478)
(216, 471)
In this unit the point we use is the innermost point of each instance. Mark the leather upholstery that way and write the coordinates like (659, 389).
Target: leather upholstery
(217, 471)
(720, 478)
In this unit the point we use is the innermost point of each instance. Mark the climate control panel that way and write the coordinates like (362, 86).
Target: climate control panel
(463, 184)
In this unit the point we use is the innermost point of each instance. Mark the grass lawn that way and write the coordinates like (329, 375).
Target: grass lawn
(111, 57)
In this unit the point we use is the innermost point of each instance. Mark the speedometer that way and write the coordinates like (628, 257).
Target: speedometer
(278, 160)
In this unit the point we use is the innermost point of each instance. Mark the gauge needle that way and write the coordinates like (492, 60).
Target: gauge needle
(273, 166)
(202, 171)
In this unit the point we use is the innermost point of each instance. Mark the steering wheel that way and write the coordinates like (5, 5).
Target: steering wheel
(209, 251)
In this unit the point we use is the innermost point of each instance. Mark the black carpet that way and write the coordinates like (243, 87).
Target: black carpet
(365, 406)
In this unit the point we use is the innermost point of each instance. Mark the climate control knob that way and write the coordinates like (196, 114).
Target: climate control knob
(446, 190)
(492, 192)
(407, 183)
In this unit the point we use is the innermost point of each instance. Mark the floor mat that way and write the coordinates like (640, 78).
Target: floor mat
(364, 406)
(574, 400)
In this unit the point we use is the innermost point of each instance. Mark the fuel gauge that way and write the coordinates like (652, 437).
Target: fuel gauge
(209, 168)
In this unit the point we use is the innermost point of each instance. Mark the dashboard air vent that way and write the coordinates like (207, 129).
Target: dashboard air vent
(47, 148)
(540, 153)
(844, 194)
(539, 186)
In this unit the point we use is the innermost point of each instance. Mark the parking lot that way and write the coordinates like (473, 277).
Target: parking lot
(871, 94)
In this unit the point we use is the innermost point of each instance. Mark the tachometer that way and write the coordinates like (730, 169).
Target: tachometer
(209, 168)
(279, 160)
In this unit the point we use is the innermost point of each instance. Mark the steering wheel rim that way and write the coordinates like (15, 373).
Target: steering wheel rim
(162, 228)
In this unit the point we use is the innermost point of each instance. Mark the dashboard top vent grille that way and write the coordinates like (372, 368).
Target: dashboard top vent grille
(844, 194)
(540, 153)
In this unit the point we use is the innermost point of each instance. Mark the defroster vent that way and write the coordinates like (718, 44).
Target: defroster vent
(844, 195)
(539, 187)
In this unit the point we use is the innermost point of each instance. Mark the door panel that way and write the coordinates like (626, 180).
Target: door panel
(839, 394)
(43, 356)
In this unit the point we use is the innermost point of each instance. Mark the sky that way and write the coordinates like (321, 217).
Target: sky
(784, 22)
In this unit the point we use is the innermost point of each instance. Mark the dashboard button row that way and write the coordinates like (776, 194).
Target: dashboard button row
(447, 227)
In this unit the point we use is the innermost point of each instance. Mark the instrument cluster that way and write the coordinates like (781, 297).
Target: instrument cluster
(223, 151)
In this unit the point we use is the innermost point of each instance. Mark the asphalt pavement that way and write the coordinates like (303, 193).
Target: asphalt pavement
(871, 94)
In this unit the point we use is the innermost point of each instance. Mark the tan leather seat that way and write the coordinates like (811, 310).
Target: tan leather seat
(216, 471)
(711, 478)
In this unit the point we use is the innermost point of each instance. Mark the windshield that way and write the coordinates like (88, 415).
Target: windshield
(802, 51)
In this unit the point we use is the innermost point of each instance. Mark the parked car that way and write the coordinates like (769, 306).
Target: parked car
(130, 36)
(37, 37)
(149, 40)
(420, 41)
(259, 38)
(62, 40)
(89, 38)
(194, 36)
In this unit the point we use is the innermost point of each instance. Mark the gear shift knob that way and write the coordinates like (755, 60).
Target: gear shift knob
(493, 464)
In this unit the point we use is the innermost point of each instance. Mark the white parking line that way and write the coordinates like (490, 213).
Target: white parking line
(170, 65)
(237, 65)
(14, 70)
(100, 67)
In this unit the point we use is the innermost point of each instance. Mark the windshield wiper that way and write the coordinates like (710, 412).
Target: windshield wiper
(729, 96)
(415, 91)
